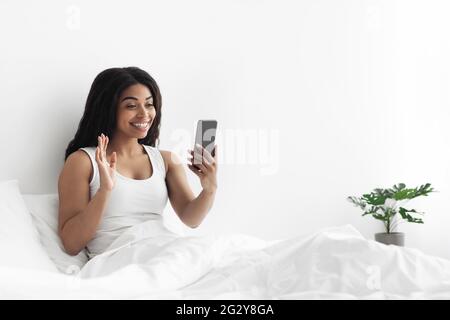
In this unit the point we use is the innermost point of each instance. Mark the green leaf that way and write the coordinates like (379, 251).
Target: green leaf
(373, 203)
(374, 198)
(357, 202)
(405, 215)
(380, 217)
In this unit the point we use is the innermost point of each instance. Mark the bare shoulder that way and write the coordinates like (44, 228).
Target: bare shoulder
(170, 159)
(78, 164)
(79, 158)
(73, 186)
(167, 156)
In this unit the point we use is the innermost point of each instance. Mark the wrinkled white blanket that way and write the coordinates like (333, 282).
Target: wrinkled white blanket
(150, 262)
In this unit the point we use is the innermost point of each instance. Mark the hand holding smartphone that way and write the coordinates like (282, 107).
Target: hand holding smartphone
(206, 137)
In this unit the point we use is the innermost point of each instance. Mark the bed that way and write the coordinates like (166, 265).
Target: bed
(151, 262)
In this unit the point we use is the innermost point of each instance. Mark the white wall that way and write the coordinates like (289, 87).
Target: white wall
(344, 96)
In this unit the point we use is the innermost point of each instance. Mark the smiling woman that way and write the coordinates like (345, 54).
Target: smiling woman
(117, 138)
(132, 102)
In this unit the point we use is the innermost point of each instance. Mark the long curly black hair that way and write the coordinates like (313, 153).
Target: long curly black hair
(101, 105)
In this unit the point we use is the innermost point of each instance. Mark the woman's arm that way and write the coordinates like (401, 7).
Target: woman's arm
(196, 210)
(79, 229)
(190, 209)
(78, 216)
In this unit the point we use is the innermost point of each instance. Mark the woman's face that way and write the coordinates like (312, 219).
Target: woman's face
(135, 112)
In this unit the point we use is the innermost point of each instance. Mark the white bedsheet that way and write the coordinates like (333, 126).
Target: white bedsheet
(335, 263)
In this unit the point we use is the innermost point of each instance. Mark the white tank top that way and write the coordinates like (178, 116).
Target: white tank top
(131, 201)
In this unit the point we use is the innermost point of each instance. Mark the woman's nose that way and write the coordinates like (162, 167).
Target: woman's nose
(143, 111)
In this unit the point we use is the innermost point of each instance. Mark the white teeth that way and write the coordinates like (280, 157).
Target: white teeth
(140, 125)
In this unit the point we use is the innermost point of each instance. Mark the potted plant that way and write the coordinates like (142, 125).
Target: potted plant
(387, 204)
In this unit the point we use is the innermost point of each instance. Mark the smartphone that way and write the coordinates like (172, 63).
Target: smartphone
(206, 137)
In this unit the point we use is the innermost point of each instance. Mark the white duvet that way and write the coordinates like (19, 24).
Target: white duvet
(335, 263)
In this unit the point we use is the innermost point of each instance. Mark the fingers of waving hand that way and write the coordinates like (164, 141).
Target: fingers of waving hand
(97, 150)
(100, 152)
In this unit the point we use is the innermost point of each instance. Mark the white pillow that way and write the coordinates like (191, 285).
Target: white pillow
(44, 210)
(19, 239)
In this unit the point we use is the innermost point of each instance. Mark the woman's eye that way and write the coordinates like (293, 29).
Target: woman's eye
(148, 106)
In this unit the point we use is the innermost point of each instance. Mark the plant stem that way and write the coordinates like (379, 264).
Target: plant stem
(388, 222)
(396, 223)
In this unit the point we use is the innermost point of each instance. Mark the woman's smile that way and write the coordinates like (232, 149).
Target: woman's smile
(141, 126)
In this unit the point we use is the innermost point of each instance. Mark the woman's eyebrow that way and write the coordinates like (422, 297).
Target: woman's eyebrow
(134, 98)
